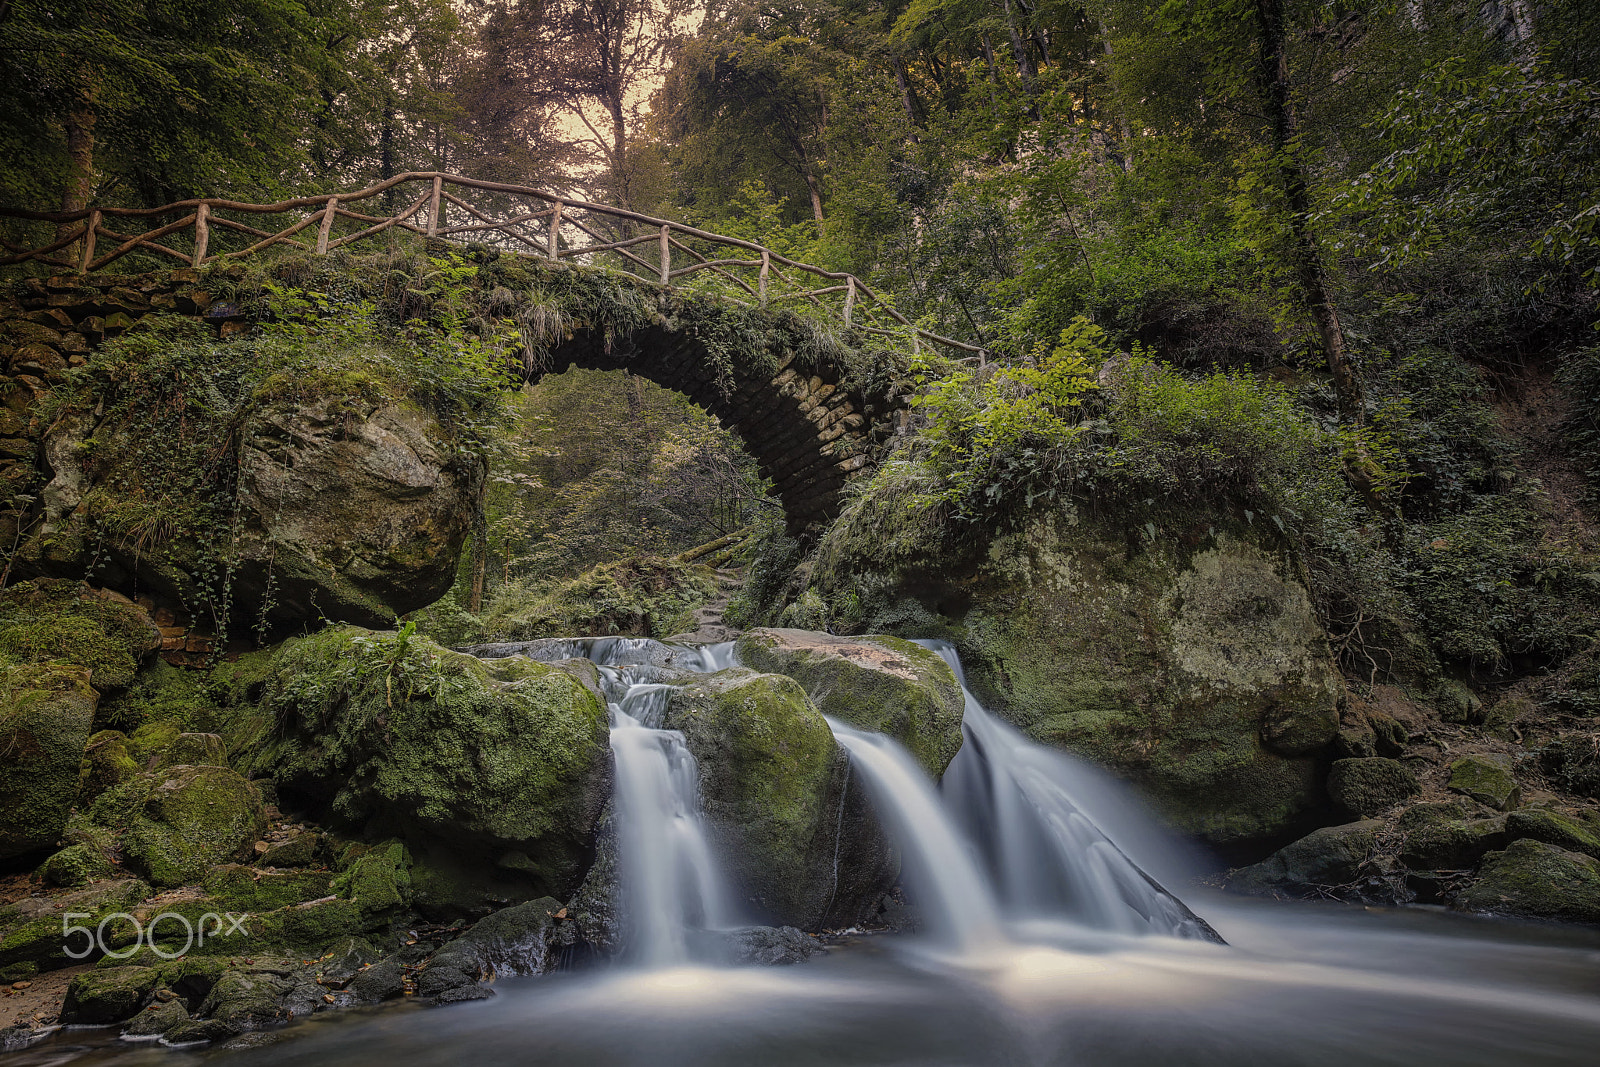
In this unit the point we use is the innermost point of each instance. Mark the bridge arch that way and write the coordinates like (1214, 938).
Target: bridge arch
(812, 422)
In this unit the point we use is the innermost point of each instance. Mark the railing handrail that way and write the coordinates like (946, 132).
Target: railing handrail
(330, 206)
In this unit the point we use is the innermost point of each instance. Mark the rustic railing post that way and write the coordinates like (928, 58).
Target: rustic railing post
(555, 230)
(202, 232)
(849, 298)
(766, 268)
(433, 205)
(88, 241)
(327, 225)
(666, 255)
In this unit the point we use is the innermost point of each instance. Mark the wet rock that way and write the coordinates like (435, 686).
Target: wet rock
(1368, 786)
(1440, 837)
(772, 784)
(248, 998)
(874, 682)
(769, 946)
(462, 994)
(157, 1019)
(1554, 828)
(346, 959)
(1331, 856)
(378, 881)
(1536, 879)
(198, 1032)
(441, 978)
(513, 941)
(109, 995)
(1486, 779)
(381, 981)
(456, 757)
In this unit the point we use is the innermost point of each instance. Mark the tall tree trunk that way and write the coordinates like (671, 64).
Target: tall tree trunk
(480, 560)
(79, 130)
(908, 99)
(1310, 271)
(1018, 49)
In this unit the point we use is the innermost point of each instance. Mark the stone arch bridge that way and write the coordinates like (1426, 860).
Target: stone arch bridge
(814, 416)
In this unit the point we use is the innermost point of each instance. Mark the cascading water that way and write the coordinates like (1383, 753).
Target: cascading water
(955, 895)
(670, 881)
(1027, 807)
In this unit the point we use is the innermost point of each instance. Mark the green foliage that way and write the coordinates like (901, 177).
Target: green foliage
(1488, 591)
(1027, 411)
(647, 596)
(1580, 378)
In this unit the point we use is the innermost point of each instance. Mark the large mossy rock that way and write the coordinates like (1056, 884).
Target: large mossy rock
(392, 732)
(349, 507)
(109, 995)
(1200, 673)
(1537, 879)
(179, 822)
(1331, 856)
(873, 683)
(1442, 837)
(772, 783)
(46, 713)
(62, 645)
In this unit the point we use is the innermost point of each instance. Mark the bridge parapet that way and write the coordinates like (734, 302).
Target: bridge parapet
(512, 217)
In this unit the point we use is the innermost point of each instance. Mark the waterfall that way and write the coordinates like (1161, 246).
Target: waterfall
(669, 879)
(953, 893)
(1029, 808)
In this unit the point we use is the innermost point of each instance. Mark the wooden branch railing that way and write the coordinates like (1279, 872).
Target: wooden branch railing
(554, 227)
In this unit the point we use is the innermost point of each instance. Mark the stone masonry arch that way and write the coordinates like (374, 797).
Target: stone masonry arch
(811, 426)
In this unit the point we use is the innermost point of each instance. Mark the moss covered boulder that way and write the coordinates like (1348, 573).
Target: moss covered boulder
(1573, 833)
(1488, 779)
(187, 819)
(875, 683)
(1200, 672)
(391, 732)
(108, 995)
(1537, 879)
(351, 505)
(46, 712)
(1443, 837)
(772, 784)
(1369, 785)
(66, 622)
(1331, 856)
(108, 761)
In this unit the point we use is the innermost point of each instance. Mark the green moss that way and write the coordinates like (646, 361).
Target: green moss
(163, 695)
(1368, 786)
(45, 717)
(39, 941)
(1552, 827)
(240, 888)
(75, 865)
(65, 622)
(1439, 836)
(876, 683)
(108, 761)
(392, 725)
(379, 881)
(188, 819)
(1486, 779)
(151, 739)
(108, 995)
(767, 769)
(1537, 879)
